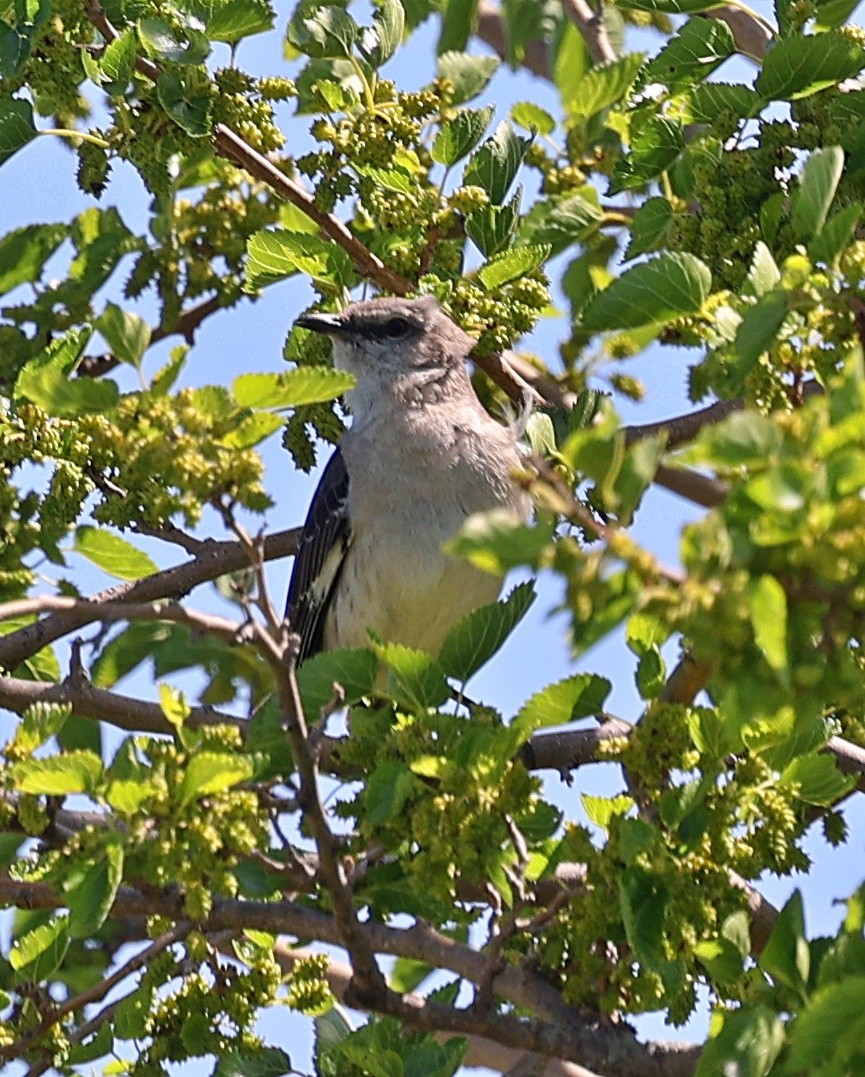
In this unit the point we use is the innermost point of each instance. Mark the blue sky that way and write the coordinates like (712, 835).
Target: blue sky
(38, 185)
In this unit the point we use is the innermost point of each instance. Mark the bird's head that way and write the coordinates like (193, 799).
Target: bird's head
(391, 340)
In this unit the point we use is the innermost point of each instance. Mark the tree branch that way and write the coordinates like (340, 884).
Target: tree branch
(216, 559)
(561, 1031)
(591, 25)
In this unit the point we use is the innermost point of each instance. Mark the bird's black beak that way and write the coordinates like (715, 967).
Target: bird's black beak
(323, 323)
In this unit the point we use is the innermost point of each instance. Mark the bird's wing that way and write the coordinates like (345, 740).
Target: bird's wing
(320, 557)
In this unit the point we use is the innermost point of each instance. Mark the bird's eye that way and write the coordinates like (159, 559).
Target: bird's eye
(396, 328)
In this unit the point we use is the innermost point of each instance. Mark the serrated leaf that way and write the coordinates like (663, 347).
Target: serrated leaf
(174, 706)
(40, 952)
(16, 126)
(186, 96)
(254, 1061)
(798, 66)
(561, 222)
(476, 638)
(294, 388)
(113, 554)
(707, 101)
(650, 227)
(818, 183)
(580, 696)
(127, 334)
(492, 228)
(469, 74)
(833, 1019)
(764, 274)
(817, 779)
(232, 20)
(459, 136)
(692, 54)
(497, 542)
(655, 292)
(214, 772)
(24, 251)
(354, 671)
(669, 7)
(276, 254)
(92, 896)
(654, 148)
(533, 118)
(322, 32)
(160, 42)
(58, 775)
(118, 62)
(415, 679)
(389, 21)
(604, 85)
(601, 810)
(459, 18)
(252, 430)
(495, 165)
(387, 789)
(511, 265)
(643, 900)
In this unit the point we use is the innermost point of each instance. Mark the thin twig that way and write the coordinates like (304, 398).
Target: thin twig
(591, 25)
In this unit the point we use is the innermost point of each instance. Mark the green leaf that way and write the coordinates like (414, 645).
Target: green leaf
(495, 165)
(496, 542)
(834, 13)
(174, 706)
(276, 254)
(459, 136)
(831, 1028)
(580, 696)
(787, 956)
(768, 610)
(798, 66)
(294, 388)
(185, 95)
(570, 64)
(126, 334)
(45, 380)
(389, 21)
(650, 228)
(601, 810)
(561, 222)
(113, 554)
(322, 32)
(604, 85)
(475, 639)
(492, 228)
(747, 1043)
(57, 775)
(643, 899)
(387, 789)
(511, 265)
(816, 779)
(233, 20)
(214, 772)
(459, 19)
(24, 251)
(759, 327)
(653, 292)
(710, 100)
(670, 7)
(353, 671)
(764, 274)
(691, 55)
(415, 680)
(469, 74)
(252, 430)
(16, 126)
(836, 234)
(92, 895)
(254, 1061)
(40, 952)
(818, 183)
(158, 39)
(532, 118)
(654, 147)
(118, 63)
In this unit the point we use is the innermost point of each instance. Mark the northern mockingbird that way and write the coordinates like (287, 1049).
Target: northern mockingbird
(421, 456)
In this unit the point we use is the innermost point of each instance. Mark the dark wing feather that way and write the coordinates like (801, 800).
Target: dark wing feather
(326, 537)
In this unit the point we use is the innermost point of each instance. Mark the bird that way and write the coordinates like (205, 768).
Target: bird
(421, 456)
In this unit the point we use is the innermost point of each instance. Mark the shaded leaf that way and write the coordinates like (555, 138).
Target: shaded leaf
(469, 74)
(476, 638)
(654, 292)
(415, 679)
(512, 264)
(459, 136)
(818, 183)
(92, 896)
(496, 163)
(354, 671)
(16, 126)
(798, 66)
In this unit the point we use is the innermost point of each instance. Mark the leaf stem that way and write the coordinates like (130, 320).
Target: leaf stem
(85, 136)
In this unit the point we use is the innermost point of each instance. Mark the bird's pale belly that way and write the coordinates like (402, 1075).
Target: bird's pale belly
(414, 602)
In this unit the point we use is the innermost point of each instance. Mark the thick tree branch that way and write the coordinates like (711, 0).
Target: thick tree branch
(562, 1031)
(216, 559)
